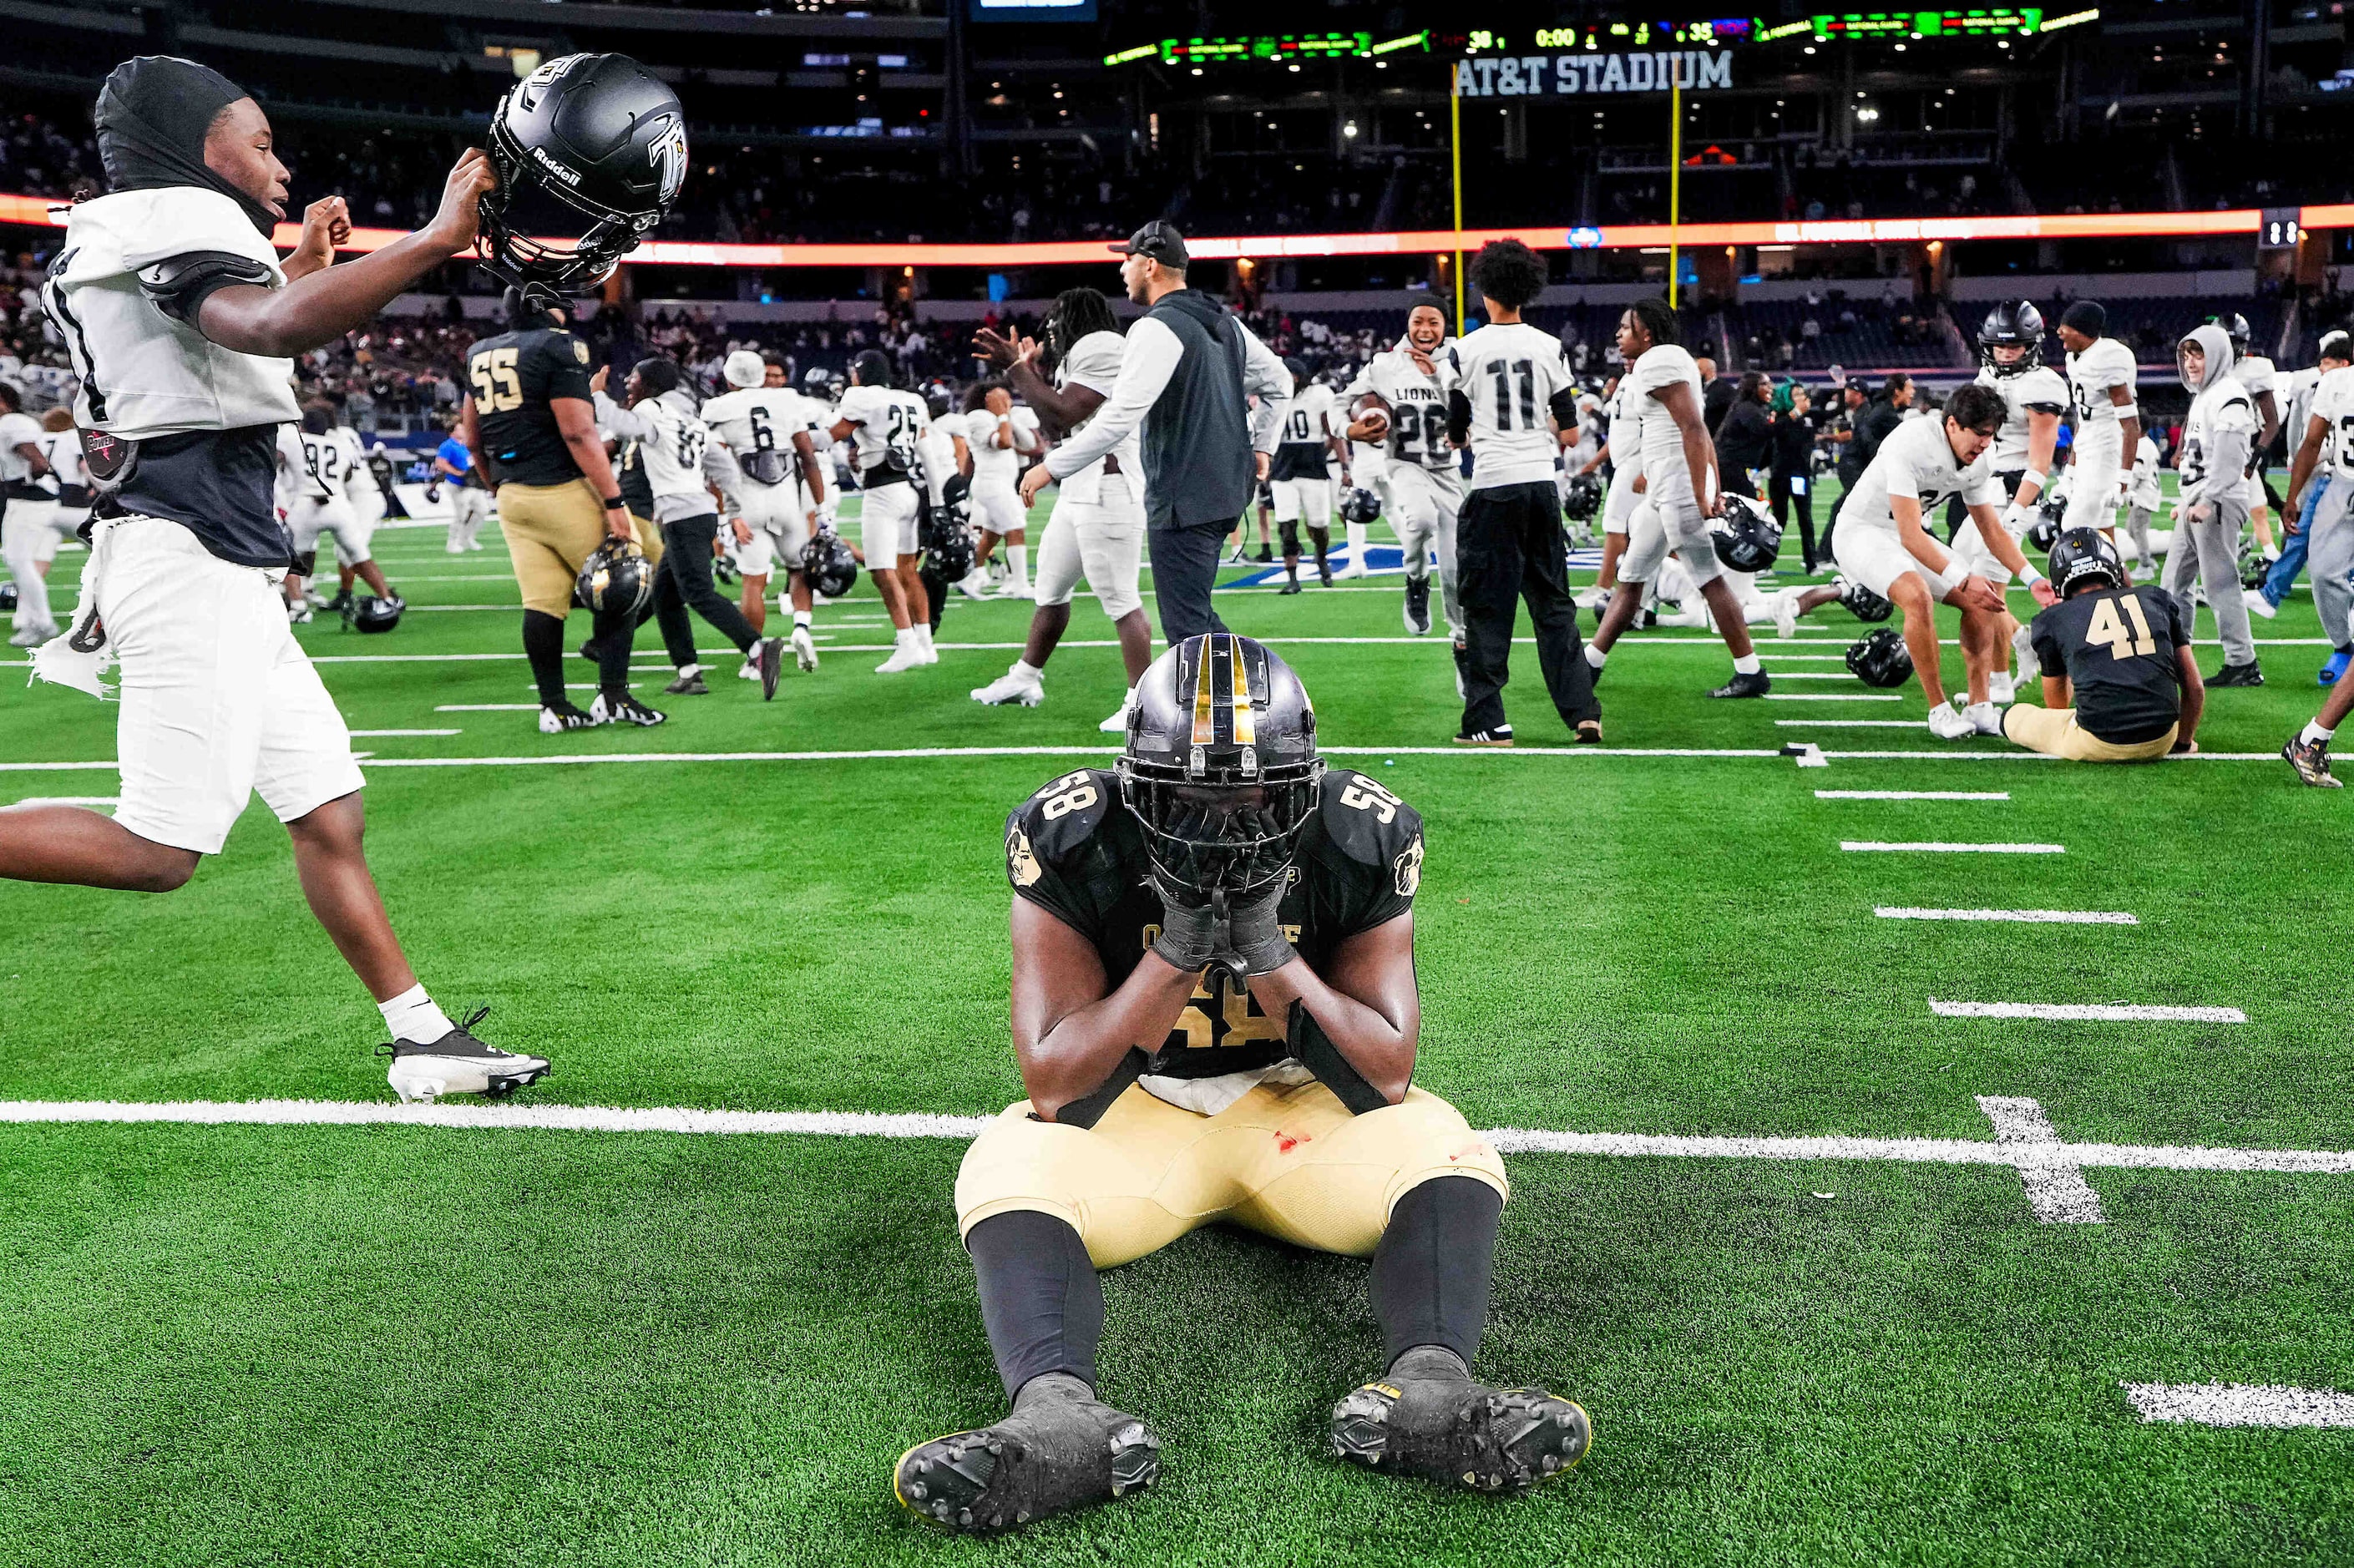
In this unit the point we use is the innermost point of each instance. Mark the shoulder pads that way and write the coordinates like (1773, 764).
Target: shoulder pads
(1365, 822)
(180, 284)
(1064, 815)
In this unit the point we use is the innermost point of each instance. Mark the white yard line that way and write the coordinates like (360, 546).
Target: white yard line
(1932, 846)
(1849, 724)
(1912, 794)
(2240, 1405)
(486, 708)
(2027, 917)
(400, 732)
(2057, 1191)
(2088, 1012)
(1831, 697)
(92, 801)
(1812, 675)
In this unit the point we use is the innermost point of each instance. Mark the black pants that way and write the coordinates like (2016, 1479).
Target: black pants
(1184, 569)
(1508, 546)
(685, 584)
(1785, 499)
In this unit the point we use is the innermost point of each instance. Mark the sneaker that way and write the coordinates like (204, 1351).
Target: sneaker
(2250, 675)
(1984, 718)
(1949, 723)
(1292, 585)
(624, 709)
(2327, 676)
(563, 716)
(1742, 686)
(1117, 722)
(2001, 691)
(1417, 606)
(1016, 687)
(974, 584)
(2258, 604)
(688, 687)
(907, 655)
(1265, 556)
(2311, 762)
(769, 652)
(31, 636)
(1499, 736)
(804, 648)
(1785, 614)
(750, 669)
(457, 1064)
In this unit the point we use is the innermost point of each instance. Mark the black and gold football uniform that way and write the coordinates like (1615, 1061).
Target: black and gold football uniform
(513, 376)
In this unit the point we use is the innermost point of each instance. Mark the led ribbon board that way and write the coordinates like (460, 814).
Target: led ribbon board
(1561, 76)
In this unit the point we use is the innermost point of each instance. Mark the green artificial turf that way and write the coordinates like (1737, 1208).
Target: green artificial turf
(340, 1345)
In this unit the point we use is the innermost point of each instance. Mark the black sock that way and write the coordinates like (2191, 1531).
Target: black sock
(1431, 1270)
(616, 630)
(543, 644)
(1040, 1299)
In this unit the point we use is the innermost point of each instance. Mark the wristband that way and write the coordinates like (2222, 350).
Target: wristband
(2127, 410)
(2031, 477)
(2029, 576)
(615, 503)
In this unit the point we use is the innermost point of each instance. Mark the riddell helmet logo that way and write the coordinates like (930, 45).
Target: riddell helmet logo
(569, 176)
(668, 154)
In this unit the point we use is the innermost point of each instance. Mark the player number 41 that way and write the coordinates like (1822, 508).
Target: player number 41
(2108, 631)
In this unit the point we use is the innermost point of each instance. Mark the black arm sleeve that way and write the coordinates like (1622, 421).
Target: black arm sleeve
(1459, 416)
(1565, 408)
(181, 284)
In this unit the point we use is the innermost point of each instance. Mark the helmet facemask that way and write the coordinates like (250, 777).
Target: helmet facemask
(1230, 837)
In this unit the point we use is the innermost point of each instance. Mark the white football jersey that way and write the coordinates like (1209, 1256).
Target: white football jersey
(2040, 391)
(676, 448)
(2146, 492)
(2255, 372)
(2106, 364)
(2333, 404)
(1509, 375)
(751, 421)
(16, 431)
(66, 474)
(2293, 392)
(317, 467)
(1417, 405)
(1916, 459)
(1308, 418)
(2226, 405)
(888, 428)
(1660, 445)
(359, 479)
(1625, 438)
(1094, 363)
(993, 466)
(143, 373)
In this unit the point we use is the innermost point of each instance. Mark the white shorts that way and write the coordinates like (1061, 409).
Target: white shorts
(1308, 500)
(1971, 555)
(1651, 533)
(2254, 491)
(307, 520)
(999, 509)
(887, 525)
(35, 528)
(1619, 503)
(217, 699)
(1102, 539)
(781, 532)
(1876, 558)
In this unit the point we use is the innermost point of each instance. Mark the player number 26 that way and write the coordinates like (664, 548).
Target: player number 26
(1367, 796)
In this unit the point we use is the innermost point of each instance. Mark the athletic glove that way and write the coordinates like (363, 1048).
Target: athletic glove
(1191, 932)
(1254, 934)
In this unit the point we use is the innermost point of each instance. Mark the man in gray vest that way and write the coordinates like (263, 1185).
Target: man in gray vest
(1185, 374)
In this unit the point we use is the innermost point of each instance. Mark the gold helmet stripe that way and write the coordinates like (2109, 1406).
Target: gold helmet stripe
(1203, 721)
(1245, 724)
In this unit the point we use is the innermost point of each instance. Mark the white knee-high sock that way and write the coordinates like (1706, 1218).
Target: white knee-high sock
(1356, 546)
(1018, 556)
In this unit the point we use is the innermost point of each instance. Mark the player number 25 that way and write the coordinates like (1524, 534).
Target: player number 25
(2110, 632)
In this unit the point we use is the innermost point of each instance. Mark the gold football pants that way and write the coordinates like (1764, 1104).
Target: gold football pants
(551, 531)
(2055, 733)
(1289, 1162)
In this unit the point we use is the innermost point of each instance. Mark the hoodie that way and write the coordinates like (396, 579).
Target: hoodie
(153, 116)
(2220, 427)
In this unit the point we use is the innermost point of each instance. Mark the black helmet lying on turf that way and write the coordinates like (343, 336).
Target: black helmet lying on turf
(1360, 506)
(1220, 767)
(370, 614)
(826, 561)
(1746, 537)
(593, 136)
(1881, 659)
(2084, 556)
(1860, 601)
(616, 577)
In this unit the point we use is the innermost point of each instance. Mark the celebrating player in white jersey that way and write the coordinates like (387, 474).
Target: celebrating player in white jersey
(1300, 479)
(1097, 528)
(771, 431)
(1663, 386)
(27, 517)
(886, 425)
(180, 317)
(1400, 398)
(314, 466)
(998, 439)
(2101, 383)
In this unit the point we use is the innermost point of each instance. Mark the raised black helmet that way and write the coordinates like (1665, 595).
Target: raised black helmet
(585, 136)
(1584, 499)
(1746, 537)
(2011, 323)
(1220, 767)
(1881, 659)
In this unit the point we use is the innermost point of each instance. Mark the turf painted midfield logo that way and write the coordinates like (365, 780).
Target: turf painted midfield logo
(1555, 76)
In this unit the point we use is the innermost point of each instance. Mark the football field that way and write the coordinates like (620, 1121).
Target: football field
(1866, 1232)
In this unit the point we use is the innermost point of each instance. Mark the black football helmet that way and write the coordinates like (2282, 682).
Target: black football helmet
(1746, 537)
(1220, 766)
(7, 596)
(2081, 555)
(1862, 603)
(1584, 498)
(826, 561)
(1360, 506)
(1881, 659)
(947, 542)
(2235, 327)
(594, 136)
(370, 614)
(2049, 509)
(2013, 322)
(617, 575)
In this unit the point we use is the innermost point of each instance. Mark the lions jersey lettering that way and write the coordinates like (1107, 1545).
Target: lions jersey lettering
(1417, 406)
(1075, 850)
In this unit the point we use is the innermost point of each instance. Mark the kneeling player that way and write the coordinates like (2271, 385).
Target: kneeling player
(2119, 682)
(1223, 897)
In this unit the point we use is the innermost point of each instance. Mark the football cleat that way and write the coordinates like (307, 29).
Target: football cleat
(1324, 573)
(1741, 685)
(2311, 762)
(1117, 722)
(1265, 554)
(1290, 586)
(2250, 675)
(1785, 614)
(1949, 723)
(804, 648)
(563, 716)
(31, 636)
(2258, 604)
(297, 612)
(688, 687)
(1061, 1449)
(624, 709)
(771, 652)
(750, 669)
(2001, 691)
(1499, 736)
(974, 584)
(1447, 1429)
(1984, 718)
(906, 655)
(1417, 606)
(1015, 687)
(457, 1064)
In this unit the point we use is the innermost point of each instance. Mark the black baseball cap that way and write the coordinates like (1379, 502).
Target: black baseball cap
(1157, 241)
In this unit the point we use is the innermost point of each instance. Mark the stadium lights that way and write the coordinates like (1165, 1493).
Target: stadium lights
(2071, 20)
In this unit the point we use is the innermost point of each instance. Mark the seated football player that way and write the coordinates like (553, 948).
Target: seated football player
(2119, 682)
(1215, 1015)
